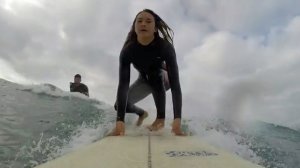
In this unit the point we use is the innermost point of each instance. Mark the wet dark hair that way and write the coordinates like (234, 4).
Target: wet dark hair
(77, 76)
(160, 25)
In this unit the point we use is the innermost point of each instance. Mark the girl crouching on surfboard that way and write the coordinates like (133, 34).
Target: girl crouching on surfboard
(154, 58)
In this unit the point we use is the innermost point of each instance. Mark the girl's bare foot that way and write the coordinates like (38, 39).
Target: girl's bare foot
(119, 130)
(176, 127)
(157, 125)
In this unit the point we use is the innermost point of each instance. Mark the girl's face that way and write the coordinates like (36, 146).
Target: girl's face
(144, 25)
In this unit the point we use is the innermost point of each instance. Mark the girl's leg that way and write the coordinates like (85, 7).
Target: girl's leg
(137, 91)
(141, 89)
(159, 95)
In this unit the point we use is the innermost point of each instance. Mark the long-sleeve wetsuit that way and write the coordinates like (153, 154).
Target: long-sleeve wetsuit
(148, 60)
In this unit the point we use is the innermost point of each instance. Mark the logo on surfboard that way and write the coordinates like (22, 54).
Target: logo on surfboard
(189, 153)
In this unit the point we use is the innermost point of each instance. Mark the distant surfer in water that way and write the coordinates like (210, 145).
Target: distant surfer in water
(154, 58)
(77, 86)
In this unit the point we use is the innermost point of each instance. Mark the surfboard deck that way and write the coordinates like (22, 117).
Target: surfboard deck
(142, 149)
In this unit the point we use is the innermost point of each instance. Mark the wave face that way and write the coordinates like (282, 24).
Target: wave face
(41, 122)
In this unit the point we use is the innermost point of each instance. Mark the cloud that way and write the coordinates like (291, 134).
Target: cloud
(236, 58)
(256, 77)
(246, 17)
(53, 43)
(8, 73)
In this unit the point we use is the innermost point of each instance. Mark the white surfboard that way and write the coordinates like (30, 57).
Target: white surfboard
(149, 150)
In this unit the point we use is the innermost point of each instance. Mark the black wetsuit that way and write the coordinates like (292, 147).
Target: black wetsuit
(148, 61)
(81, 88)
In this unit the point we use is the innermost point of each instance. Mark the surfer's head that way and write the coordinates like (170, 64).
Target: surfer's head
(145, 26)
(77, 78)
(148, 24)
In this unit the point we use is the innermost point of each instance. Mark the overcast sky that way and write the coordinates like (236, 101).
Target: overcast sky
(236, 58)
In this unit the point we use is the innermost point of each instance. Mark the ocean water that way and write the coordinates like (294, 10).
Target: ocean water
(41, 122)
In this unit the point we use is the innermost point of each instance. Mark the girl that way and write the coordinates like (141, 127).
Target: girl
(155, 59)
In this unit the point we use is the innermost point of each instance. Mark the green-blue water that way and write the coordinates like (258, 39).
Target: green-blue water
(36, 126)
